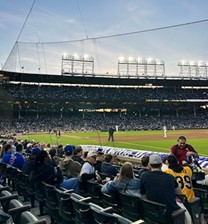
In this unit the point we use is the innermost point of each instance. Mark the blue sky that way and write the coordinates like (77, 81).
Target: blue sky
(56, 21)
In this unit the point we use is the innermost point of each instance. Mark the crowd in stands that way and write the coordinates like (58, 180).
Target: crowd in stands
(96, 121)
(73, 93)
(68, 167)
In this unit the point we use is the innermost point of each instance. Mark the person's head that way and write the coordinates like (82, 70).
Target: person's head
(52, 152)
(35, 151)
(78, 151)
(19, 148)
(100, 156)
(155, 161)
(126, 172)
(145, 161)
(171, 159)
(91, 156)
(69, 150)
(8, 148)
(181, 141)
(41, 158)
(173, 164)
(108, 158)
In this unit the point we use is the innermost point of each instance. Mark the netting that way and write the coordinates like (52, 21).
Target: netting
(106, 40)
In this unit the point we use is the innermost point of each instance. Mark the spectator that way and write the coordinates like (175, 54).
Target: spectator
(99, 161)
(78, 155)
(17, 160)
(7, 153)
(183, 176)
(69, 167)
(158, 186)
(107, 166)
(30, 162)
(145, 164)
(182, 150)
(124, 182)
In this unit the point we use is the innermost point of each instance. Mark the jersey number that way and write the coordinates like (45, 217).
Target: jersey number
(184, 181)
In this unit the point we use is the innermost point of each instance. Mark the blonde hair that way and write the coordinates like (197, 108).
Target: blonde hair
(126, 172)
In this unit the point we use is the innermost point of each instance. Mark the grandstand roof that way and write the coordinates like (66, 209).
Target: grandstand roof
(103, 80)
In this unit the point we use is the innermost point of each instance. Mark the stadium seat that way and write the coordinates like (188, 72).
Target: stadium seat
(104, 215)
(27, 217)
(40, 197)
(94, 191)
(111, 200)
(156, 213)
(193, 207)
(51, 202)
(82, 210)
(4, 217)
(131, 207)
(66, 210)
(30, 189)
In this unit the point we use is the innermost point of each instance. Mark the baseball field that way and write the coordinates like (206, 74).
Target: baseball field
(140, 140)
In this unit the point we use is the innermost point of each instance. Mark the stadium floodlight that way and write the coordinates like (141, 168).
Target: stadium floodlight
(131, 59)
(135, 67)
(193, 63)
(201, 63)
(149, 60)
(121, 59)
(65, 54)
(76, 56)
(86, 56)
(139, 60)
(77, 64)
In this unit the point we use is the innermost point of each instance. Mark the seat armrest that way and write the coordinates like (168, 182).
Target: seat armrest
(178, 212)
(9, 197)
(85, 199)
(19, 209)
(138, 222)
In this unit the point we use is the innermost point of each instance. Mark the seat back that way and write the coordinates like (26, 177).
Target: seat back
(131, 207)
(101, 215)
(27, 217)
(194, 208)
(94, 191)
(111, 200)
(83, 214)
(51, 201)
(156, 213)
(65, 207)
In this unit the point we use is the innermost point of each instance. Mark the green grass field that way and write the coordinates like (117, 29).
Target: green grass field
(140, 140)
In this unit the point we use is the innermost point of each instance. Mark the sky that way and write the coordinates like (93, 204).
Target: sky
(51, 25)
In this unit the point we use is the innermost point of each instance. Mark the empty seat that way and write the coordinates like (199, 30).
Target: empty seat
(82, 210)
(156, 213)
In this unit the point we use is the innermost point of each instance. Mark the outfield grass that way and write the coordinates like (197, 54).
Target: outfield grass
(121, 140)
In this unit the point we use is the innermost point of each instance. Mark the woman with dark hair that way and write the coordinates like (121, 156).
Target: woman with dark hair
(43, 171)
(124, 182)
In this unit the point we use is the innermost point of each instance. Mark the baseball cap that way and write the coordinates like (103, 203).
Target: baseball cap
(69, 149)
(29, 145)
(35, 151)
(155, 159)
(91, 153)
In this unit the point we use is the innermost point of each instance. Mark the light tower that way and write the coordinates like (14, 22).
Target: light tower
(75, 64)
(132, 67)
(193, 68)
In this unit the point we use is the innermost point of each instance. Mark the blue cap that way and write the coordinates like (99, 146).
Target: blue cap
(69, 149)
(35, 151)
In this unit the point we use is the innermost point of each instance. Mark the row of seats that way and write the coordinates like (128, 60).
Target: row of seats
(13, 211)
(61, 209)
